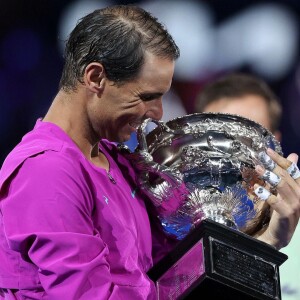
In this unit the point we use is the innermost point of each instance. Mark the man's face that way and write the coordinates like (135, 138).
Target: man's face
(250, 106)
(120, 109)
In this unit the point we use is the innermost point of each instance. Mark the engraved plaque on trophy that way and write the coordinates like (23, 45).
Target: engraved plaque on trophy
(198, 172)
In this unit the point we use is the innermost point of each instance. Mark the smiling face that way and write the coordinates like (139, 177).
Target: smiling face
(119, 109)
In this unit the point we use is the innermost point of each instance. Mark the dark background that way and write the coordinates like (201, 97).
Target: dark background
(31, 58)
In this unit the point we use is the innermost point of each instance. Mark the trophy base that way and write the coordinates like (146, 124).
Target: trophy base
(217, 262)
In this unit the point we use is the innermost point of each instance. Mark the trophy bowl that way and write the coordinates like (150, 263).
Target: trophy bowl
(201, 166)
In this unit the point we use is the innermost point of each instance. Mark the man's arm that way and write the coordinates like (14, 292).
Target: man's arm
(47, 219)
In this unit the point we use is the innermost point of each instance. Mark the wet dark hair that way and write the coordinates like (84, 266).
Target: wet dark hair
(236, 85)
(117, 37)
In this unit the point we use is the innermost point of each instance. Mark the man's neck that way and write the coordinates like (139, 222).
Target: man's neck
(68, 111)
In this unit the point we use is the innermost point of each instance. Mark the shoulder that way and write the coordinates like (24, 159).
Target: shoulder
(51, 163)
(51, 178)
(49, 170)
(66, 169)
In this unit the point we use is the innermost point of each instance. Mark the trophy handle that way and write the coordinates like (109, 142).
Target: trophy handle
(164, 183)
(141, 132)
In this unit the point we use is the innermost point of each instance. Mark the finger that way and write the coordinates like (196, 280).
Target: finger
(283, 209)
(267, 161)
(272, 161)
(289, 165)
(278, 159)
(268, 176)
(270, 164)
(265, 195)
(293, 157)
(287, 191)
(293, 170)
(276, 203)
(279, 165)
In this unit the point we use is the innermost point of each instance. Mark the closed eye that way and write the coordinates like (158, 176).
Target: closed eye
(150, 96)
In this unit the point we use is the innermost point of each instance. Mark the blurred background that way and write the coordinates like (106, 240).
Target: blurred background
(215, 37)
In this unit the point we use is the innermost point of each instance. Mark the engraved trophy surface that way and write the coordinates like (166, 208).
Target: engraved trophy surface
(198, 171)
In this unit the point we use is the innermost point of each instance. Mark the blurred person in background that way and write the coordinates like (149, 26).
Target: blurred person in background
(244, 95)
(249, 96)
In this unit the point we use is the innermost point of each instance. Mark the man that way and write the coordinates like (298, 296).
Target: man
(73, 225)
(251, 97)
(243, 95)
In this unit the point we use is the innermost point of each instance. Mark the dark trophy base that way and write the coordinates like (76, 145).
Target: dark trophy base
(216, 262)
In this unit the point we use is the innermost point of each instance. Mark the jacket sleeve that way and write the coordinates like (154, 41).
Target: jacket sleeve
(47, 217)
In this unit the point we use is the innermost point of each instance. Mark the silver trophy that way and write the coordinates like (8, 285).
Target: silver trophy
(198, 172)
(201, 166)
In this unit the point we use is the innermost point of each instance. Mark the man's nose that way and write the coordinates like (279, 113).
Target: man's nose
(154, 109)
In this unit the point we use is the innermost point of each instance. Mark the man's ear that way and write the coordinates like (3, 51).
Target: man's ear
(95, 77)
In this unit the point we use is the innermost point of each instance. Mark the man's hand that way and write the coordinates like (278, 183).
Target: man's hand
(284, 174)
